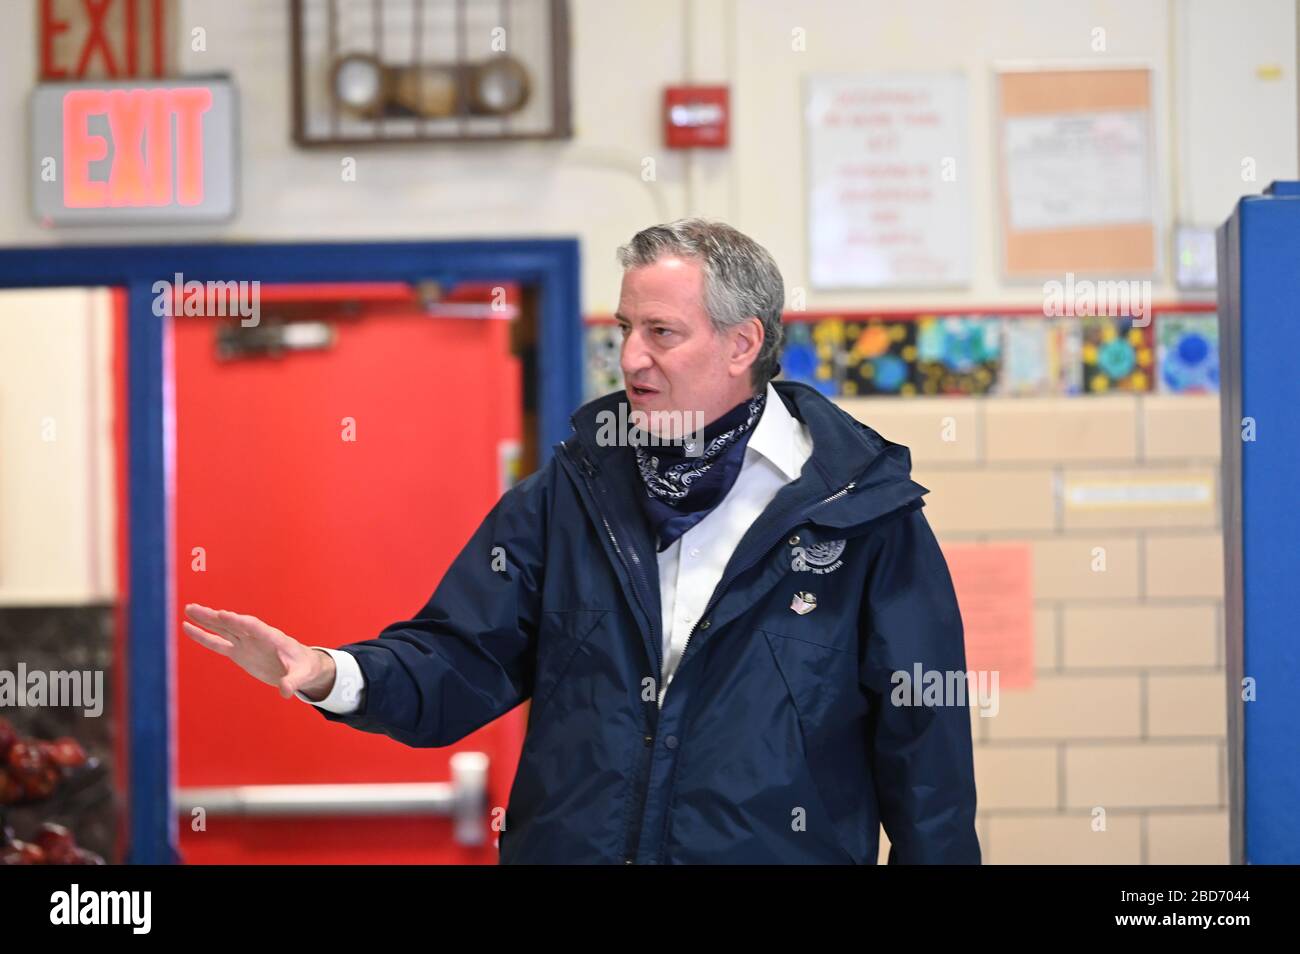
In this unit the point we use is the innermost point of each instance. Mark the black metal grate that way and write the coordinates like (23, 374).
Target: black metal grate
(433, 62)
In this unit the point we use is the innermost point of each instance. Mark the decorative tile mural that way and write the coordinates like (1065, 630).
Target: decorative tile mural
(1187, 353)
(813, 352)
(1117, 355)
(1031, 358)
(1067, 335)
(880, 357)
(1018, 355)
(957, 354)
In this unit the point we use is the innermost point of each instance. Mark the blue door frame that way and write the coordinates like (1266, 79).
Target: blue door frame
(548, 265)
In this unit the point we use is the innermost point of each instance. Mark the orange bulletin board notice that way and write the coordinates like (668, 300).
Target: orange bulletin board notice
(1077, 172)
(995, 591)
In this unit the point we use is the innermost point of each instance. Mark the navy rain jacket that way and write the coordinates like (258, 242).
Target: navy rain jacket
(776, 742)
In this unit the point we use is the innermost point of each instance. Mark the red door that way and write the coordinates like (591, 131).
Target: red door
(326, 492)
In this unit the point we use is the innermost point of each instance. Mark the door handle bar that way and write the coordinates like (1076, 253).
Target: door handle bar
(464, 798)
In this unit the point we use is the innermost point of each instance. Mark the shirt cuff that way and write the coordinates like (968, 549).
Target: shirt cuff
(349, 683)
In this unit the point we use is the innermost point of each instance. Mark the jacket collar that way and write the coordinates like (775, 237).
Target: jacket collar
(779, 438)
(853, 477)
(844, 451)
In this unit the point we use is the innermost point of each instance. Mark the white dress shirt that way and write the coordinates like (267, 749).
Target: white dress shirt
(345, 696)
(691, 568)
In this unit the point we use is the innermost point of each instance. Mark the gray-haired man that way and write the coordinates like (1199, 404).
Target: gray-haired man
(708, 624)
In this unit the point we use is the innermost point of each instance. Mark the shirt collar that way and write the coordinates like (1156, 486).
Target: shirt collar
(779, 437)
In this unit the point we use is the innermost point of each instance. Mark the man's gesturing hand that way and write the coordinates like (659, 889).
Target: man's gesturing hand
(262, 651)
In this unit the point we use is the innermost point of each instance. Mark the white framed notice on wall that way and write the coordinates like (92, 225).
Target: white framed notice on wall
(889, 184)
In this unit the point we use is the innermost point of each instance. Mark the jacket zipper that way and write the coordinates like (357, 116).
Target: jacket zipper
(634, 833)
(655, 640)
(586, 467)
(721, 588)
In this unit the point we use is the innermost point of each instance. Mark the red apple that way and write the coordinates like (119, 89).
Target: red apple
(42, 783)
(57, 843)
(67, 753)
(7, 738)
(25, 759)
(11, 790)
(24, 853)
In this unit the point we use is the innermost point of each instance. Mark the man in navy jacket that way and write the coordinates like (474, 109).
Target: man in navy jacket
(713, 624)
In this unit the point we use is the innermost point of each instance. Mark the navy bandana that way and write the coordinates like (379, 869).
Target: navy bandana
(680, 490)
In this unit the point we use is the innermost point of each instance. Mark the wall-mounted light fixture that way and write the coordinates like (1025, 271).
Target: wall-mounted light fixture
(363, 85)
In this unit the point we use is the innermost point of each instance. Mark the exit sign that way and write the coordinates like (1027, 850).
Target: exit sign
(112, 39)
(122, 152)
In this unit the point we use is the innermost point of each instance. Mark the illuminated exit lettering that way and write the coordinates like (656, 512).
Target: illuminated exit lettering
(144, 170)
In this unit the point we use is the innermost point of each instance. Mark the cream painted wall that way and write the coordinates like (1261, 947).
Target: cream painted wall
(1206, 54)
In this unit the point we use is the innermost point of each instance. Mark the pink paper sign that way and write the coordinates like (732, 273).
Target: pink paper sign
(995, 590)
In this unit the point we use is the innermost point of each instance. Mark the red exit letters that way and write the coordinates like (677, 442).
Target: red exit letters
(111, 34)
(144, 170)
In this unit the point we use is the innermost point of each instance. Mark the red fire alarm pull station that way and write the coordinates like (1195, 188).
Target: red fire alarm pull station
(696, 117)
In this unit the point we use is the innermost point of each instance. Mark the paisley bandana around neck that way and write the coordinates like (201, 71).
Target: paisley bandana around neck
(682, 490)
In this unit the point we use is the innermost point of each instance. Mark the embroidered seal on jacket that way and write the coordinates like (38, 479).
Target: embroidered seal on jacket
(820, 558)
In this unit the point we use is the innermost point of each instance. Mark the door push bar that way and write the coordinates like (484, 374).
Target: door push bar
(464, 798)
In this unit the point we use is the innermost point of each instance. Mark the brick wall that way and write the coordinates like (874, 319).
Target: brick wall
(1127, 710)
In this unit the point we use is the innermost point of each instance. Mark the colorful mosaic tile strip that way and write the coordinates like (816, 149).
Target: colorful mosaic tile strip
(1117, 355)
(880, 357)
(1187, 353)
(958, 354)
(813, 352)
